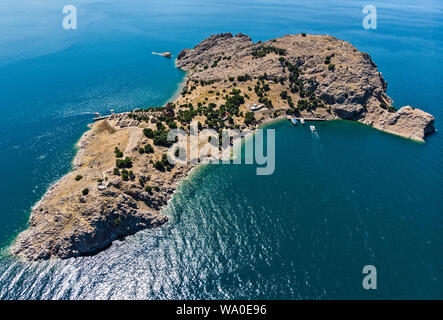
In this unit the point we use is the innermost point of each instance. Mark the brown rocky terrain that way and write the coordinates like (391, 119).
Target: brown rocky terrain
(295, 75)
(345, 80)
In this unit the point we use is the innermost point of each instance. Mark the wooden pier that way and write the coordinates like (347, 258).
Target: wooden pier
(101, 118)
(305, 119)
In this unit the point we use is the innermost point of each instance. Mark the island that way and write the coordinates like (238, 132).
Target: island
(121, 177)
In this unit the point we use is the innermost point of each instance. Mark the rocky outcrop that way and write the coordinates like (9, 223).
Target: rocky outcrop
(56, 232)
(345, 80)
(69, 222)
(408, 122)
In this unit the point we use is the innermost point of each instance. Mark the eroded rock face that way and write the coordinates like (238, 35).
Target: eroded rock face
(68, 222)
(89, 228)
(407, 122)
(349, 83)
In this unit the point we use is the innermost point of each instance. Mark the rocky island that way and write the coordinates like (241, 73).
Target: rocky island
(121, 177)
(163, 54)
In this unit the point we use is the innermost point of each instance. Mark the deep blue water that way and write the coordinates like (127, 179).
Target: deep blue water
(349, 197)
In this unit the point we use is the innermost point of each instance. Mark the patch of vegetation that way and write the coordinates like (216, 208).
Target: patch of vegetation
(216, 62)
(159, 166)
(149, 133)
(249, 118)
(85, 191)
(328, 59)
(118, 153)
(127, 174)
(331, 67)
(244, 78)
(390, 108)
(78, 177)
(163, 164)
(124, 163)
(148, 189)
(284, 95)
(117, 221)
(148, 148)
(267, 102)
(262, 51)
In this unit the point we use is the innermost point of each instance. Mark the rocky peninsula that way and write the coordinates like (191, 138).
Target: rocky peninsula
(122, 179)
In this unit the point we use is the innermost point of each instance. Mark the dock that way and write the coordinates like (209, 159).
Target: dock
(305, 119)
(101, 118)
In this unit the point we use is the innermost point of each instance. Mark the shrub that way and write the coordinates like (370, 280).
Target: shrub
(159, 166)
(392, 109)
(249, 118)
(118, 153)
(148, 189)
(85, 191)
(244, 78)
(331, 67)
(262, 51)
(125, 175)
(117, 221)
(116, 171)
(328, 59)
(157, 188)
(149, 149)
(126, 163)
(284, 95)
(149, 133)
(172, 124)
(78, 177)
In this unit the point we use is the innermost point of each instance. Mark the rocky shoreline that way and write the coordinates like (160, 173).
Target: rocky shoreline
(121, 180)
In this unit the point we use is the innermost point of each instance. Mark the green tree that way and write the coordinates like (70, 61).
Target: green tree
(149, 148)
(249, 118)
(126, 163)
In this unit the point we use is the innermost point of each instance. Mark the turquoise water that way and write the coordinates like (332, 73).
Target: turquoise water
(347, 197)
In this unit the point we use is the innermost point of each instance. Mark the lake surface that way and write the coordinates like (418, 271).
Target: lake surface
(341, 199)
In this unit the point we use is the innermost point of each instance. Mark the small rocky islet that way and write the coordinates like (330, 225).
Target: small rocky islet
(121, 178)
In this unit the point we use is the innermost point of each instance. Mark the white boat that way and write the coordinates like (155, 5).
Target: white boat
(302, 121)
(256, 107)
(313, 129)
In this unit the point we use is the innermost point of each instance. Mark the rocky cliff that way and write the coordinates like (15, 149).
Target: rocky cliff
(345, 81)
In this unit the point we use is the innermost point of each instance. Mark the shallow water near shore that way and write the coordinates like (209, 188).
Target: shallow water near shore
(346, 197)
